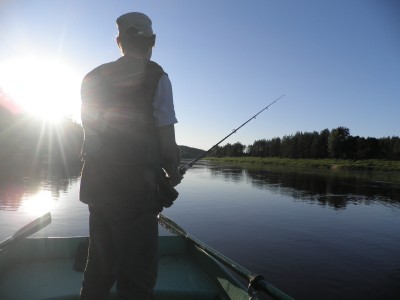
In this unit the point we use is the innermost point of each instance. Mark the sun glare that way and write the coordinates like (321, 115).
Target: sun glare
(38, 204)
(43, 87)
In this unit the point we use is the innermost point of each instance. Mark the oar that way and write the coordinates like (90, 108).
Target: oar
(27, 230)
(256, 282)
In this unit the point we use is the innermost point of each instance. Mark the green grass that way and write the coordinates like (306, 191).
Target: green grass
(334, 164)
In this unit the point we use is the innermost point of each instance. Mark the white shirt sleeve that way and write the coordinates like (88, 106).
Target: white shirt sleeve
(163, 104)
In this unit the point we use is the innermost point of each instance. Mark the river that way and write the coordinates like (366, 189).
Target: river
(313, 234)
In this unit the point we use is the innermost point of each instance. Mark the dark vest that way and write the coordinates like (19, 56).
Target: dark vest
(117, 113)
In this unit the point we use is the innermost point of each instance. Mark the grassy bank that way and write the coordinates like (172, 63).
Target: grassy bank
(340, 164)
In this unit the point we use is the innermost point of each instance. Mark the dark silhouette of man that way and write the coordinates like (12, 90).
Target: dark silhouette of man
(128, 118)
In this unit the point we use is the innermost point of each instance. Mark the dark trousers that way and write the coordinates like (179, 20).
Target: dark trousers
(123, 249)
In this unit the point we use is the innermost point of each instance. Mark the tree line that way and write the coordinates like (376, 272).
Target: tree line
(336, 143)
(29, 142)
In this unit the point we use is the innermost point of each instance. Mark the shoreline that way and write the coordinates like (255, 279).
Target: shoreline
(326, 163)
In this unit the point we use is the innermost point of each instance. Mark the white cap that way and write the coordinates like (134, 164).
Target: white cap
(139, 21)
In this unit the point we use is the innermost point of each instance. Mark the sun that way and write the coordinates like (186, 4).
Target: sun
(43, 87)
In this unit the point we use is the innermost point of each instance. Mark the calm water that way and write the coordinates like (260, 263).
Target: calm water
(325, 235)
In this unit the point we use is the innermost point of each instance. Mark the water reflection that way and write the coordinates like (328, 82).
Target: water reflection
(34, 190)
(229, 174)
(331, 188)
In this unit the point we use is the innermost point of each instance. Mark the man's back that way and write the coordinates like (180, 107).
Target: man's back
(117, 112)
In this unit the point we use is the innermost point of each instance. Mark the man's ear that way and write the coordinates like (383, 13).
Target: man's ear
(153, 40)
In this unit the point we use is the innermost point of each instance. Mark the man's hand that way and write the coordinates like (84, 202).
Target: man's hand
(175, 177)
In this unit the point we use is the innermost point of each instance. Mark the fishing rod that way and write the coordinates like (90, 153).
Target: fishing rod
(167, 193)
(186, 167)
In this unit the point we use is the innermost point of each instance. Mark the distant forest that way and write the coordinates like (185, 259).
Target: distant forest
(190, 152)
(335, 143)
(28, 141)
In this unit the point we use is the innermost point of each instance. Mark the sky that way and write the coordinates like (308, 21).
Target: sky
(336, 62)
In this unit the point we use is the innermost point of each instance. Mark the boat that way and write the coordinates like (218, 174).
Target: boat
(52, 268)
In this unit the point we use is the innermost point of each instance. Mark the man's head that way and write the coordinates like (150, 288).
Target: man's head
(135, 34)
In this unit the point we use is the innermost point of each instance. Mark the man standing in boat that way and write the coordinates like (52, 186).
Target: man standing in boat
(128, 118)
